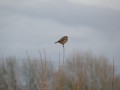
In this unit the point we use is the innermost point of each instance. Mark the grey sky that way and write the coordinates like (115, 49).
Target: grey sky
(37, 24)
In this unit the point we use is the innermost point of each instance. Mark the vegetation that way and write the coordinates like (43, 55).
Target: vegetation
(78, 72)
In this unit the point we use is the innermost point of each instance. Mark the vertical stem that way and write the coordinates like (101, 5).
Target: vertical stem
(51, 67)
(74, 70)
(63, 54)
(4, 73)
(113, 76)
(27, 55)
(59, 61)
(45, 57)
(37, 67)
(59, 70)
(29, 62)
(42, 78)
(45, 65)
(80, 82)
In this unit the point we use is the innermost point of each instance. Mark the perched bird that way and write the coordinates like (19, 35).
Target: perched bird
(63, 40)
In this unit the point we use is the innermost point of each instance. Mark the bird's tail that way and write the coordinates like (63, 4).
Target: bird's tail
(56, 42)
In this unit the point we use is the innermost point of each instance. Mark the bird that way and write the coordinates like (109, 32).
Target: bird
(63, 40)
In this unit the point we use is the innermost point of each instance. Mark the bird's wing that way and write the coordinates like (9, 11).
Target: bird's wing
(62, 39)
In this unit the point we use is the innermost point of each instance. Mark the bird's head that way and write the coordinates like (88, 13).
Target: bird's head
(66, 36)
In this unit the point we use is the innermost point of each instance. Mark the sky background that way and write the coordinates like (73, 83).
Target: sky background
(31, 25)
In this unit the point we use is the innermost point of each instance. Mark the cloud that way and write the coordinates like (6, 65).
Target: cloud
(33, 27)
(113, 4)
(27, 3)
(74, 15)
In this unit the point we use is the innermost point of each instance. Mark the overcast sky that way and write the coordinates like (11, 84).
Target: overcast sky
(91, 25)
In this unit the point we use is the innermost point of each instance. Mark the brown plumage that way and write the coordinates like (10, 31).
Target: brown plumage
(63, 40)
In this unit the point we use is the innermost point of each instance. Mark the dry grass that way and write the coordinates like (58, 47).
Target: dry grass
(78, 72)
